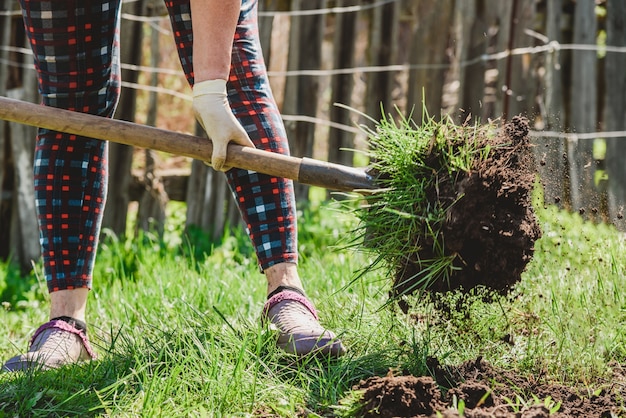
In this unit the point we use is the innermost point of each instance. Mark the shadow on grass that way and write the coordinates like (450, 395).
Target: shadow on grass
(192, 367)
(75, 390)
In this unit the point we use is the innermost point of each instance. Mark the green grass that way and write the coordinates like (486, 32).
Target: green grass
(178, 333)
(406, 214)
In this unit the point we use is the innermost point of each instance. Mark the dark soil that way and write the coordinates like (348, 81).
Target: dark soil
(486, 392)
(491, 228)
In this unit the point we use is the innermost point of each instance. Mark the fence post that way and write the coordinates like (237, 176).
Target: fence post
(210, 205)
(24, 240)
(20, 233)
(342, 85)
(382, 51)
(615, 110)
(520, 78)
(5, 39)
(429, 48)
(153, 198)
(583, 105)
(550, 150)
(302, 92)
(121, 156)
(499, 18)
(471, 45)
(266, 23)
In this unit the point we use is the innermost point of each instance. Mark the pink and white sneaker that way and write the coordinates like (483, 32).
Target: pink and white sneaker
(300, 332)
(54, 344)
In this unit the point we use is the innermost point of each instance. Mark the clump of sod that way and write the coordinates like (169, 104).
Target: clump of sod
(453, 210)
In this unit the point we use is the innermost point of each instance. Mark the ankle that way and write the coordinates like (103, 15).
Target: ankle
(69, 303)
(282, 274)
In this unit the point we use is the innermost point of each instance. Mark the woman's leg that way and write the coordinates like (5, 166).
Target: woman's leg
(266, 203)
(76, 53)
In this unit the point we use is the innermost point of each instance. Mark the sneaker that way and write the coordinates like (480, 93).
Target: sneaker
(296, 320)
(54, 344)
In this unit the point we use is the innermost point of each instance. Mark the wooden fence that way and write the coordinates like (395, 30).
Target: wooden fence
(559, 62)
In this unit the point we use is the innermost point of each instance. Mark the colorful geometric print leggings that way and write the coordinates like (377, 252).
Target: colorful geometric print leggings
(75, 45)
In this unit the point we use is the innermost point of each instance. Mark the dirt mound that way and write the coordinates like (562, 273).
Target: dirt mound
(490, 227)
(400, 396)
(484, 391)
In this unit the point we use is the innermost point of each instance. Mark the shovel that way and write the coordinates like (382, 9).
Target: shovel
(303, 170)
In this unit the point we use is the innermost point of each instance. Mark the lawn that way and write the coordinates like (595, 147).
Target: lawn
(176, 325)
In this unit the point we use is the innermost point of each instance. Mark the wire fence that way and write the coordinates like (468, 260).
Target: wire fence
(156, 22)
(456, 67)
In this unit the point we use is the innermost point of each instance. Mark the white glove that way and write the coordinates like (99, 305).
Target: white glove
(210, 105)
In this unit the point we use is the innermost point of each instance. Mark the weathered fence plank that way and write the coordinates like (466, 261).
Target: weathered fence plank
(429, 48)
(20, 233)
(24, 240)
(153, 200)
(302, 92)
(196, 190)
(549, 151)
(471, 44)
(342, 85)
(266, 24)
(210, 204)
(583, 105)
(151, 208)
(5, 39)
(615, 110)
(382, 50)
(121, 156)
(520, 69)
(499, 18)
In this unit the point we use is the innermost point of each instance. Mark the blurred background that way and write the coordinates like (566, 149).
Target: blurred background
(560, 63)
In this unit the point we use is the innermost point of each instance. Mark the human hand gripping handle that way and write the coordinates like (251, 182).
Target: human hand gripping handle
(210, 105)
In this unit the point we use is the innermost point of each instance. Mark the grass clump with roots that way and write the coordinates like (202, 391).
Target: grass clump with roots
(419, 170)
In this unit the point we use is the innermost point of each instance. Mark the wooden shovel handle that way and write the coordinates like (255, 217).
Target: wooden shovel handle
(304, 170)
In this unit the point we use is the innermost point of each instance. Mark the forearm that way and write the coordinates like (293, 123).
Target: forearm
(214, 23)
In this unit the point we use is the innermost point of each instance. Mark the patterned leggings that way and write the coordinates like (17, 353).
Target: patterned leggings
(76, 52)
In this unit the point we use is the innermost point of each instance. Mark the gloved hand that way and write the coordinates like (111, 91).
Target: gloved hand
(210, 105)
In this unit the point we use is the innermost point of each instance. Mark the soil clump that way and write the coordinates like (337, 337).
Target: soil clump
(490, 226)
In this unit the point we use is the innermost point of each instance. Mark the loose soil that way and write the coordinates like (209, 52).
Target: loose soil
(486, 392)
(491, 228)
